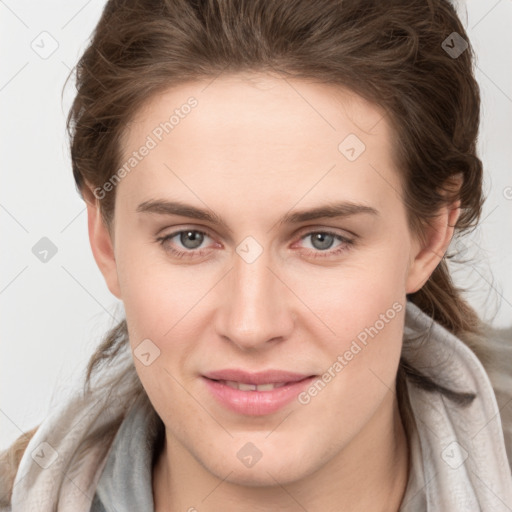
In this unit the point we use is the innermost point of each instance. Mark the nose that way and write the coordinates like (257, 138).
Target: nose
(255, 306)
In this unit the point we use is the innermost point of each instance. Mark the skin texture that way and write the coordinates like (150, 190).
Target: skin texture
(255, 148)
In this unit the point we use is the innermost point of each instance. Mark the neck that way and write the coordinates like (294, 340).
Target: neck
(369, 474)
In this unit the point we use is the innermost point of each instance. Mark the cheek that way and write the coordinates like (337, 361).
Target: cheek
(159, 304)
(364, 306)
(156, 293)
(361, 367)
(354, 294)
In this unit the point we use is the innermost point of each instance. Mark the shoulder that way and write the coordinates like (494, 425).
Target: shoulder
(9, 463)
(498, 366)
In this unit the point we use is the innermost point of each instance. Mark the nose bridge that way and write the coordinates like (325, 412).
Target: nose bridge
(255, 311)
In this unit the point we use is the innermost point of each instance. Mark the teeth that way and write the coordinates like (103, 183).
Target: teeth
(230, 383)
(267, 387)
(252, 387)
(247, 387)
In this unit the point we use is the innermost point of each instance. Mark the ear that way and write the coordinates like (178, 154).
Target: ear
(430, 249)
(101, 243)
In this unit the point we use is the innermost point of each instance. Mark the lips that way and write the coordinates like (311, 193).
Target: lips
(255, 394)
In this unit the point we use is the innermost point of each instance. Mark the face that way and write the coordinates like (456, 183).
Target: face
(262, 230)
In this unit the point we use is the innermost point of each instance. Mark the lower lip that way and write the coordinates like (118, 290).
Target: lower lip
(256, 403)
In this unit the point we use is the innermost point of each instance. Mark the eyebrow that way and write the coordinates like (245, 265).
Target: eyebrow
(330, 210)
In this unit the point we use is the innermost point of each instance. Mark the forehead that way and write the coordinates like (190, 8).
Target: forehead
(259, 132)
(261, 104)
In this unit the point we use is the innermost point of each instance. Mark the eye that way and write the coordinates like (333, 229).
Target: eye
(322, 241)
(190, 239)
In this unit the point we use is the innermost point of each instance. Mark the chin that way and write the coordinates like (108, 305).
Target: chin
(262, 477)
(275, 469)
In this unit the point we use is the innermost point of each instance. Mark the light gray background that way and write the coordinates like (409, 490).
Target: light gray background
(55, 313)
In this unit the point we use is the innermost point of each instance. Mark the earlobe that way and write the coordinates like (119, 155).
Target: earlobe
(102, 246)
(431, 251)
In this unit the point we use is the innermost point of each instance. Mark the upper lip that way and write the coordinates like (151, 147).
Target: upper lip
(263, 377)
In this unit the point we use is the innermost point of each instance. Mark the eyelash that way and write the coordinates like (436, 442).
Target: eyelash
(346, 244)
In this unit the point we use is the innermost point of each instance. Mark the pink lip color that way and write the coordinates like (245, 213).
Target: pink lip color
(256, 403)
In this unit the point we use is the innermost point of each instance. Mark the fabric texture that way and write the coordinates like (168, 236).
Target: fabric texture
(126, 483)
(458, 453)
(463, 463)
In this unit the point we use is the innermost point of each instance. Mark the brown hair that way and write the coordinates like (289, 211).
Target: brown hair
(391, 53)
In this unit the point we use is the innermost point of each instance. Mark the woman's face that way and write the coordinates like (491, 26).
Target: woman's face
(253, 274)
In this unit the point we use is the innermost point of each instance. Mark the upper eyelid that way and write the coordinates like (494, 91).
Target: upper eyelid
(334, 231)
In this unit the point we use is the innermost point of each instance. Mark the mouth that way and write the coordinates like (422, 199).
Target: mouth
(255, 394)
(242, 386)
